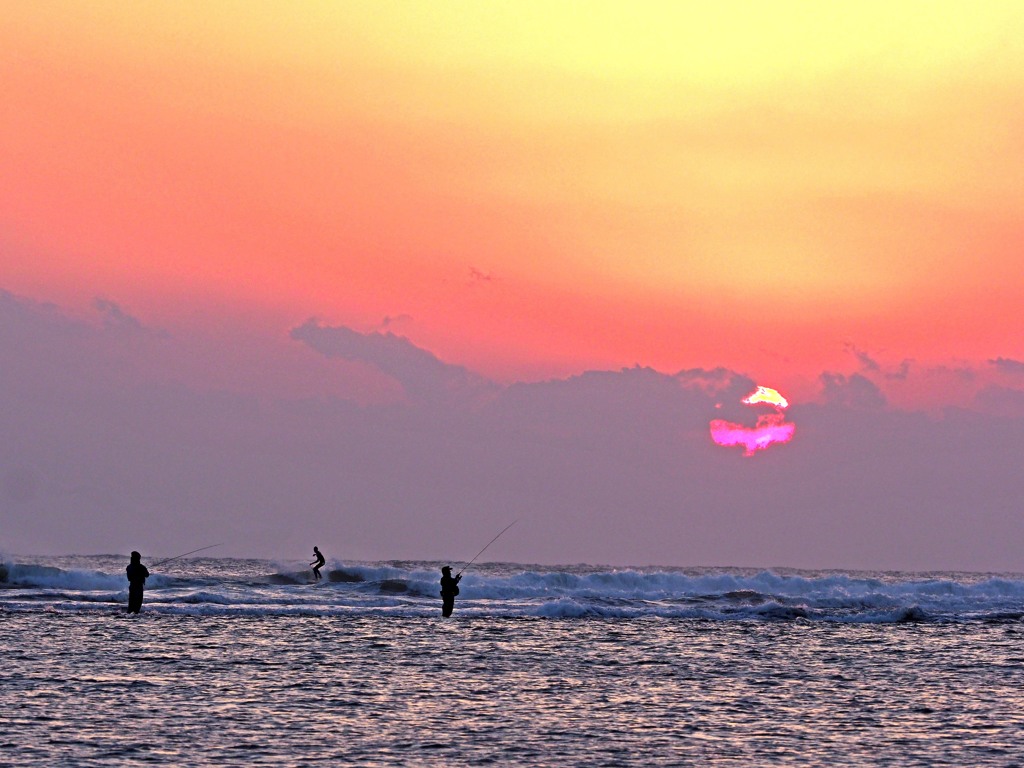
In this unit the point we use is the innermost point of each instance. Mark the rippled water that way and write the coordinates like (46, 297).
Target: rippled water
(84, 684)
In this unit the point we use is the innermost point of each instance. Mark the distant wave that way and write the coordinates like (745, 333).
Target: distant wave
(16, 575)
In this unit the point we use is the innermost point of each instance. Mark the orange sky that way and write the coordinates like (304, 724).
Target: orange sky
(540, 186)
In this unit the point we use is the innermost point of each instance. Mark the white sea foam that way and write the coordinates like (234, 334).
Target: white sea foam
(55, 578)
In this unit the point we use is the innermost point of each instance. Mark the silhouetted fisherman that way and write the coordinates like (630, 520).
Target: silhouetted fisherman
(449, 589)
(137, 575)
(317, 563)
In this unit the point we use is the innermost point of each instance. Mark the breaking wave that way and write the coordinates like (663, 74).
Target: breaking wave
(227, 587)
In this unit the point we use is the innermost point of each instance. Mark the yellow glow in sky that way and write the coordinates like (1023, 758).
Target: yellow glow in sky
(810, 172)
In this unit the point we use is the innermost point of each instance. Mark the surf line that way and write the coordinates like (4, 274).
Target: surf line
(184, 554)
(486, 546)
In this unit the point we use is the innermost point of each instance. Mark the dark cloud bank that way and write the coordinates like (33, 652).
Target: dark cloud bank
(100, 455)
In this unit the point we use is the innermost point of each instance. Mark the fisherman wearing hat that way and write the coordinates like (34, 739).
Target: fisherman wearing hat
(449, 589)
(137, 575)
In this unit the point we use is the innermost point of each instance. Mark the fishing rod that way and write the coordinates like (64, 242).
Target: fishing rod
(485, 547)
(186, 554)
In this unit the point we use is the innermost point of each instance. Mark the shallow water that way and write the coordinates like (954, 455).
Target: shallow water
(195, 683)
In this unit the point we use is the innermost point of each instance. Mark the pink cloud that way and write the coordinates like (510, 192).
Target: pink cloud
(771, 428)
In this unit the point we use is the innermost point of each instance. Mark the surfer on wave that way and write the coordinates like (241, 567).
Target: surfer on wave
(317, 563)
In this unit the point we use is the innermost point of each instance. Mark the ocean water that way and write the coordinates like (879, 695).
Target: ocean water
(246, 662)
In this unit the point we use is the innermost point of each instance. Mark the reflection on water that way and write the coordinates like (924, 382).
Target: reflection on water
(101, 688)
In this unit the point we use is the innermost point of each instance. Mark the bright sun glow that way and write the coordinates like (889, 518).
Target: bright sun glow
(770, 428)
(766, 395)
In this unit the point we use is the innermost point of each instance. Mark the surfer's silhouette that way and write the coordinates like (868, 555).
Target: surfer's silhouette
(317, 563)
(449, 589)
(137, 575)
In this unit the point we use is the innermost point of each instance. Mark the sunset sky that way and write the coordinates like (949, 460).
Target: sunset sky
(801, 193)
(539, 187)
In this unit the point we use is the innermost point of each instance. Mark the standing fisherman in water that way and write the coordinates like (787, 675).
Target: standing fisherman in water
(449, 589)
(450, 585)
(317, 563)
(137, 575)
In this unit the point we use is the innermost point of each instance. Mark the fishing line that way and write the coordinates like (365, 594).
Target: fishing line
(185, 554)
(486, 546)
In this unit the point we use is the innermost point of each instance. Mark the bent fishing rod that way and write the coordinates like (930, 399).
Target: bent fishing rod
(186, 554)
(485, 547)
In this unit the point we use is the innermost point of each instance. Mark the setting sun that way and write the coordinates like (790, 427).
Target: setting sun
(771, 428)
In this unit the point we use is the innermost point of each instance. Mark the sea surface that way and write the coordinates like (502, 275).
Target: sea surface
(250, 662)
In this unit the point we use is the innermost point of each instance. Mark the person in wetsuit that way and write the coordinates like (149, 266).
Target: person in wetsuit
(137, 575)
(449, 589)
(317, 563)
